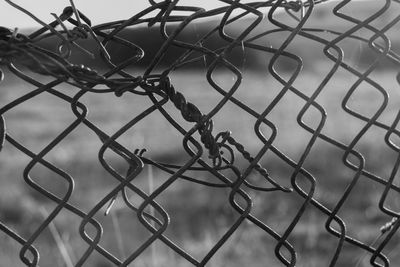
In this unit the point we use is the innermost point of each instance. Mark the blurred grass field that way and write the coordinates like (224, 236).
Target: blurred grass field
(201, 215)
(197, 228)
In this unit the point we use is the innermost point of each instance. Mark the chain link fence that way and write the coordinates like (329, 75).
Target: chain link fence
(286, 183)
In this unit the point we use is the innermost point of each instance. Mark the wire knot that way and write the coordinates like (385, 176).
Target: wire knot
(5, 33)
(82, 70)
(128, 86)
(296, 6)
(192, 114)
(78, 32)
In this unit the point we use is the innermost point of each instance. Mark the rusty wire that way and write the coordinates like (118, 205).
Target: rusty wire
(208, 151)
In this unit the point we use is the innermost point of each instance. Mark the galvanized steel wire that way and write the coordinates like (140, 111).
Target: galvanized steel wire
(209, 151)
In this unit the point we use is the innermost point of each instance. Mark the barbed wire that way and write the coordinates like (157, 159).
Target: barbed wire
(23, 54)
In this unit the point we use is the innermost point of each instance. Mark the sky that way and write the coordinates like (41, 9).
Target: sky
(101, 11)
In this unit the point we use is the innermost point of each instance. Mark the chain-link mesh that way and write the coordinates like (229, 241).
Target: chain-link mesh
(287, 183)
